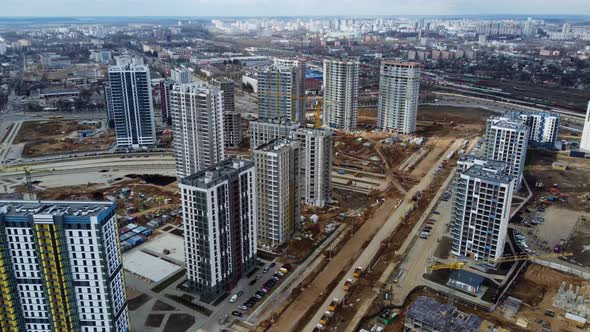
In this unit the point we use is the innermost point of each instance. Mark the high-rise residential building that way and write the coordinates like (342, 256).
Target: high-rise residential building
(543, 126)
(232, 119)
(277, 191)
(585, 142)
(482, 197)
(399, 89)
(108, 102)
(219, 216)
(262, 132)
(315, 165)
(507, 140)
(165, 87)
(132, 108)
(181, 75)
(277, 93)
(61, 267)
(299, 94)
(197, 118)
(341, 83)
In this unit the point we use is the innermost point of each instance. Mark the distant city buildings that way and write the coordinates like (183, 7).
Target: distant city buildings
(181, 75)
(585, 143)
(132, 108)
(232, 119)
(277, 191)
(315, 165)
(399, 89)
(219, 217)
(506, 140)
(61, 267)
(263, 132)
(482, 197)
(341, 80)
(197, 118)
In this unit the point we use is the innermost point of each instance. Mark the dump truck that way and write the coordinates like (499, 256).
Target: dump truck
(347, 285)
(357, 272)
(333, 304)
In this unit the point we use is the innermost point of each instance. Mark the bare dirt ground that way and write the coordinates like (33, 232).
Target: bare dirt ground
(52, 137)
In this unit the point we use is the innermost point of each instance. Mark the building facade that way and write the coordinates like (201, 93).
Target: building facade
(165, 86)
(132, 108)
(399, 89)
(315, 165)
(232, 120)
(277, 191)
(507, 140)
(264, 131)
(181, 75)
(543, 126)
(197, 118)
(219, 217)
(585, 142)
(299, 66)
(482, 197)
(277, 93)
(61, 267)
(341, 80)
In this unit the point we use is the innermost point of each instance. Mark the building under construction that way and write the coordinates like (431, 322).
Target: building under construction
(428, 315)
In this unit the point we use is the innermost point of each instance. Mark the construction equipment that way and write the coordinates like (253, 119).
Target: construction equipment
(27, 171)
(347, 285)
(318, 114)
(357, 272)
(460, 265)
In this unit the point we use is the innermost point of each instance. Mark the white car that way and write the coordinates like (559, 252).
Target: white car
(233, 299)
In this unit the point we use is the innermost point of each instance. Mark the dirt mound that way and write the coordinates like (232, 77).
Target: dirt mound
(551, 278)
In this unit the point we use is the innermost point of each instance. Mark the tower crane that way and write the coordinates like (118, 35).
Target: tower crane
(27, 171)
(459, 265)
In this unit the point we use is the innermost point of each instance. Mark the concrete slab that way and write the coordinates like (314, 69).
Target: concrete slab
(148, 266)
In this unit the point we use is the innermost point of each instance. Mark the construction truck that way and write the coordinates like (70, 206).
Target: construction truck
(326, 317)
(333, 305)
(357, 272)
(348, 284)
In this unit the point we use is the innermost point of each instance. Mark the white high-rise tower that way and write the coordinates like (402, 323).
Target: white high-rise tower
(341, 80)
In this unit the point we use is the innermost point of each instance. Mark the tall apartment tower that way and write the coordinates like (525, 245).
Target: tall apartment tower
(543, 126)
(132, 108)
(507, 140)
(482, 197)
(219, 216)
(181, 75)
(341, 83)
(197, 118)
(299, 67)
(399, 89)
(315, 165)
(165, 87)
(232, 120)
(277, 191)
(108, 102)
(61, 267)
(263, 132)
(277, 93)
(585, 143)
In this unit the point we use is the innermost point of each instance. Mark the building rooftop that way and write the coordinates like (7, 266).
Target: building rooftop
(443, 317)
(508, 122)
(275, 145)
(468, 278)
(218, 173)
(491, 171)
(401, 63)
(22, 208)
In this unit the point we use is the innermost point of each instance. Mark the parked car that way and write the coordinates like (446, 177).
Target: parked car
(233, 299)
(243, 307)
(236, 313)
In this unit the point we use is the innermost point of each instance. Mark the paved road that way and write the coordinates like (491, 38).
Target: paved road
(371, 250)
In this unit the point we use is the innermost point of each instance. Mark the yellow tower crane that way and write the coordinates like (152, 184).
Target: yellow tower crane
(459, 265)
(27, 171)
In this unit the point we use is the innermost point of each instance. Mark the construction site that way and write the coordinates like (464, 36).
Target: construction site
(41, 138)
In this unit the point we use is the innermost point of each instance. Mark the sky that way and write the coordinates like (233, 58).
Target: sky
(48, 8)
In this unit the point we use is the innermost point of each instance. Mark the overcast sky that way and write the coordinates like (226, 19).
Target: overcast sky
(287, 7)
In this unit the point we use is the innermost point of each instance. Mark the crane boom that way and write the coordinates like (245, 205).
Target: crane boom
(458, 265)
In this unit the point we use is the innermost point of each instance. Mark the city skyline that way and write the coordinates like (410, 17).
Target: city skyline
(67, 8)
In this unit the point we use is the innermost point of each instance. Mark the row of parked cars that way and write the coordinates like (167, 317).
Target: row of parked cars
(427, 228)
(263, 291)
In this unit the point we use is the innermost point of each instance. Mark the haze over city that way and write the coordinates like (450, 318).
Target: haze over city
(289, 7)
(258, 165)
